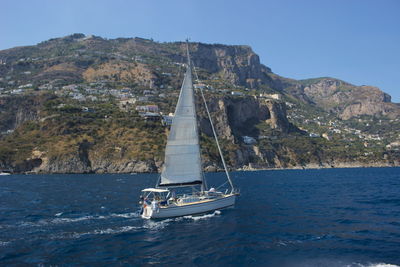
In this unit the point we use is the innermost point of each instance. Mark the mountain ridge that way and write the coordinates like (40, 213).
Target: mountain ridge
(80, 93)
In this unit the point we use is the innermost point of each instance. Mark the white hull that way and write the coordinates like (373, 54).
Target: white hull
(189, 209)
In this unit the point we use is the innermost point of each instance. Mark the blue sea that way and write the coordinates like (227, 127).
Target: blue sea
(329, 217)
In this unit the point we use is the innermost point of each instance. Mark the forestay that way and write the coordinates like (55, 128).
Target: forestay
(182, 156)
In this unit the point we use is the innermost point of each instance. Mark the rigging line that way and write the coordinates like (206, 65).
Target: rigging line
(213, 129)
(158, 181)
(180, 68)
(221, 185)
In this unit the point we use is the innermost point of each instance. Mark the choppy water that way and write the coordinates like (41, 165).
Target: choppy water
(342, 217)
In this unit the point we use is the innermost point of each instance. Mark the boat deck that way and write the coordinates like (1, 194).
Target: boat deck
(205, 200)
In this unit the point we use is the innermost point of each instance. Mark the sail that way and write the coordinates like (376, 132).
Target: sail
(182, 155)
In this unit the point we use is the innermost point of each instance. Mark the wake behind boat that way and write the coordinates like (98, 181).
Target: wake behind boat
(182, 189)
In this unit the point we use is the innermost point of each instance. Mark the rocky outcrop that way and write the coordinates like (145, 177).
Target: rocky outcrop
(346, 100)
(71, 163)
(104, 165)
(236, 64)
(235, 117)
(81, 163)
(132, 60)
(84, 160)
(370, 107)
(143, 64)
(278, 119)
(14, 111)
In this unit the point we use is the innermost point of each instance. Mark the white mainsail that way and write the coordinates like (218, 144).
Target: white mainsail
(182, 155)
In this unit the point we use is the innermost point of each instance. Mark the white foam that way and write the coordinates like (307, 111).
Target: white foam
(106, 231)
(157, 225)
(114, 231)
(22, 224)
(4, 243)
(285, 243)
(125, 215)
(355, 264)
(202, 217)
(282, 243)
(58, 214)
(88, 217)
(380, 264)
(78, 219)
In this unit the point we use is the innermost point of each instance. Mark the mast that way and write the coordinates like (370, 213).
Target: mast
(188, 56)
(215, 136)
(189, 62)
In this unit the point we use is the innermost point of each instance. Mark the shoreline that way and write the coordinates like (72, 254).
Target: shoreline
(245, 169)
(328, 166)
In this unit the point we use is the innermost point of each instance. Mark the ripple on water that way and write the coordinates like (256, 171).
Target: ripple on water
(282, 215)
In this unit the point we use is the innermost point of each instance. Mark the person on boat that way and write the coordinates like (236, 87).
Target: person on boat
(154, 205)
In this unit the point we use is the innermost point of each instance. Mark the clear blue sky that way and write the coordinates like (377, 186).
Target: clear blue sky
(354, 40)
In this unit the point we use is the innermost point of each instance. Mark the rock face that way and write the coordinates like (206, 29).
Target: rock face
(102, 165)
(233, 118)
(81, 163)
(378, 103)
(345, 99)
(65, 164)
(237, 117)
(278, 119)
(14, 111)
(92, 60)
(77, 58)
(236, 64)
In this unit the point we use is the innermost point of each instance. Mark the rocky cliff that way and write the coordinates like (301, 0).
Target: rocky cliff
(80, 58)
(17, 110)
(60, 109)
(233, 118)
(236, 64)
(344, 99)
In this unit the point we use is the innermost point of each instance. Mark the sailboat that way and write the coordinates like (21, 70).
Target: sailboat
(181, 188)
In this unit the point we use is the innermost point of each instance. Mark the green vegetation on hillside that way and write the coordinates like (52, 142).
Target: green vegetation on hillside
(75, 97)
